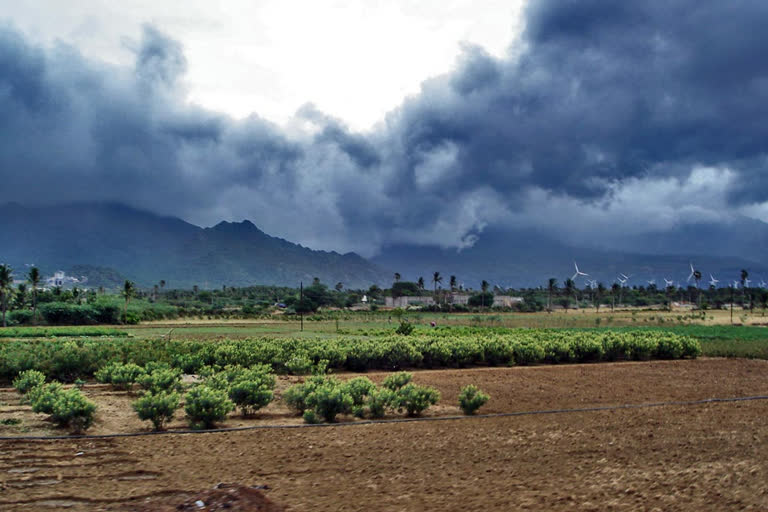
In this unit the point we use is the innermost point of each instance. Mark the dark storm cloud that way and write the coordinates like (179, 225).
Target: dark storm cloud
(598, 102)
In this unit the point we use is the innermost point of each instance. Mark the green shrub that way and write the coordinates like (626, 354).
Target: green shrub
(120, 375)
(158, 408)
(71, 409)
(415, 399)
(27, 380)
(310, 417)
(163, 379)
(359, 388)
(299, 364)
(295, 397)
(379, 400)
(43, 397)
(471, 399)
(329, 400)
(405, 328)
(250, 395)
(397, 380)
(205, 406)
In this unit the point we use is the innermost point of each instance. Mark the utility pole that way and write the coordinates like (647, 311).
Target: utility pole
(301, 303)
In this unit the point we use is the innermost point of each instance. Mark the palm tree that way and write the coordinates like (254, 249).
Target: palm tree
(551, 290)
(420, 283)
(339, 286)
(744, 276)
(6, 283)
(33, 277)
(436, 279)
(129, 289)
(397, 277)
(484, 288)
(598, 296)
(453, 283)
(615, 287)
(21, 296)
(697, 278)
(570, 288)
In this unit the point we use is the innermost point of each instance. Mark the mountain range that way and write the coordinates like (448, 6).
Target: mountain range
(108, 242)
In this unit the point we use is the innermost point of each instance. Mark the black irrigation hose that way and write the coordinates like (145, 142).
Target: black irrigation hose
(398, 420)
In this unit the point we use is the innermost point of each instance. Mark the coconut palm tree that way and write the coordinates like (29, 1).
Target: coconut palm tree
(129, 289)
(569, 288)
(615, 288)
(397, 277)
(744, 276)
(697, 278)
(484, 289)
(420, 283)
(436, 279)
(453, 283)
(33, 277)
(551, 290)
(21, 296)
(6, 283)
(599, 292)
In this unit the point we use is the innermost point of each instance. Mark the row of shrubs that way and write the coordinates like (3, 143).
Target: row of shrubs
(319, 398)
(71, 359)
(102, 311)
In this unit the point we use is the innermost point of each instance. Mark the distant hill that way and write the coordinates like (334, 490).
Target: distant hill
(107, 241)
(526, 258)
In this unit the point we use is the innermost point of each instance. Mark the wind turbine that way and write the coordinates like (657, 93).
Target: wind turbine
(763, 284)
(651, 282)
(746, 283)
(578, 272)
(668, 282)
(713, 281)
(622, 281)
(690, 276)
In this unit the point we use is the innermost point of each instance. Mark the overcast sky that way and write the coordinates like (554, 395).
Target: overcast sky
(349, 125)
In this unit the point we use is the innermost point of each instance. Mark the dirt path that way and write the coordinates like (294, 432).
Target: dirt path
(702, 457)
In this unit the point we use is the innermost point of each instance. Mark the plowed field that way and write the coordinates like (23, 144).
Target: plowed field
(711, 456)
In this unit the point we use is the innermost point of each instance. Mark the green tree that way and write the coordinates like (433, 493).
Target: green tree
(129, 290)
(420, 283)
(21, 296)
(743, 278)
(6, 284)
(33, 277)
(599, 292)
(570, 289)
(397, 276)
(551, 290)
(339, 286)
(453, 283)
(484, 288)
(436, 279)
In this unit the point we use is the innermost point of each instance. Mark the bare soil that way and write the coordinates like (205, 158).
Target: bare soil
(711, 456)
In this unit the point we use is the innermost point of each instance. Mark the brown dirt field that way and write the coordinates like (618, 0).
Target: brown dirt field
(698, 457)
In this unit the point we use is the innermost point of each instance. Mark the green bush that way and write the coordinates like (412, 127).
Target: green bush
(471, 399)
(359, 388)
(205, 406)
(415, 399)
(405, 328)
(299, 364)
(379, 400)
(159, 380)
(295, 397)
(120, 375)
(310, 417)
(158, 408)
(250, 395)
(397, 380)
(329, 400)
(43, 397)
(71, 409)
(27, 380)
